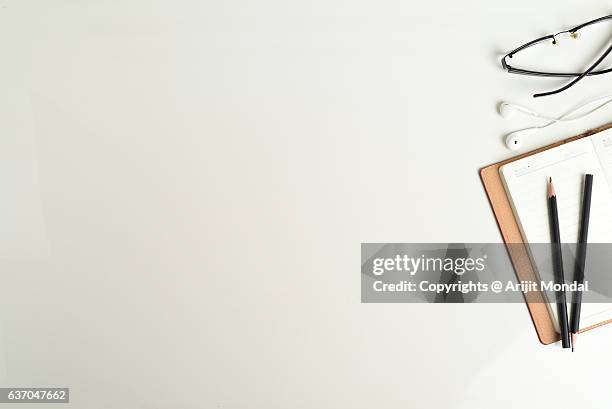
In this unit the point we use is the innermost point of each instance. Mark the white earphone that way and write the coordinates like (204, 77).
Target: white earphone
(514, 140)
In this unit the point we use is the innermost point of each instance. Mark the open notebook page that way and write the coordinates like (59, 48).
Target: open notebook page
(525, 181)
(602, 142)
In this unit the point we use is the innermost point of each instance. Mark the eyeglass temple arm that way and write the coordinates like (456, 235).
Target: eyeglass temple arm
(588, 23)
(513, 70)
(581, 76)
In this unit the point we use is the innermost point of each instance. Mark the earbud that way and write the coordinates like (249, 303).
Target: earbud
(514, 141)
(506, 110)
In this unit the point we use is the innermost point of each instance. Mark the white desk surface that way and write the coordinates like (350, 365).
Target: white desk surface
(187, 184)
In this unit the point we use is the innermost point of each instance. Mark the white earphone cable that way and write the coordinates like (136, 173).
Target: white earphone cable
(568, 115)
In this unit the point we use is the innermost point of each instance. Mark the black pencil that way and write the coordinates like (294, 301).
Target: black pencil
(581, 257)
(558, 264)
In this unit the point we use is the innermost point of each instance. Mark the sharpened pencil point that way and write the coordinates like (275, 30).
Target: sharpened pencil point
(550, 188)
(574, 337)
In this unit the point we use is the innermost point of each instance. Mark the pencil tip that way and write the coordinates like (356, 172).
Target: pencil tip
(550, 188)
(574, 337)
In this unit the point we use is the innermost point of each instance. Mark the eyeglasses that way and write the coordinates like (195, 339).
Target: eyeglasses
(577, 76)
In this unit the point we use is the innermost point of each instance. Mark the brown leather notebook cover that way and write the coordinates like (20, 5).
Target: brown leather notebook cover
(509, 228)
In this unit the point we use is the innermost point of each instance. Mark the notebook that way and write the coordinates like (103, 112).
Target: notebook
(525, 183)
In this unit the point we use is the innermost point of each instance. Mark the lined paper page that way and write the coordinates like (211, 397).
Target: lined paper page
(525, 182)
(602, 142)
(567, 164)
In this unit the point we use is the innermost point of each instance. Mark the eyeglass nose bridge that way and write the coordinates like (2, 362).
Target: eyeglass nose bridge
(573, 34)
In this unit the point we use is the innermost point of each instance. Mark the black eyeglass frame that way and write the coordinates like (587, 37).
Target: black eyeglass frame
(578, 76)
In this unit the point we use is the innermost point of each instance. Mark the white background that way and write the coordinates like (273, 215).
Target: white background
(186, 184)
